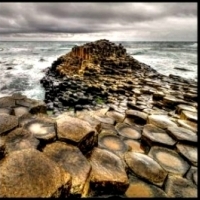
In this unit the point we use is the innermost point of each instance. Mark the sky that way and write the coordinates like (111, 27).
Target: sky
(130, 21)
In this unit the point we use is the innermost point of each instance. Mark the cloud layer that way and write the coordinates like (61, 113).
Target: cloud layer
(88, 21)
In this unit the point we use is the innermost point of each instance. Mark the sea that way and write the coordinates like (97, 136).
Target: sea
(23, 64)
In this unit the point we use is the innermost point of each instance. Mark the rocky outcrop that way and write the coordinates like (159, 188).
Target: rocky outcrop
(131, 133)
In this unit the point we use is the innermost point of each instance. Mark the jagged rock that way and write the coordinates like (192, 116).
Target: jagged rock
(73, 161)
(189, 152)
(76, 131)
(169, 159)
(182, 134)
(140, 189)
(179, 187)
(145, 167)
(154, 135)
(108, 173)
(128, 131)
(29, 173)
(161, 121)
(19, 139)
(7, 123)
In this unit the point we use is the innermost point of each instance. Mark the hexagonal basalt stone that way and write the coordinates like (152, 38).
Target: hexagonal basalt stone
(182, 134)
(141, 189)
(34, 106)
(188, 115)
(145, 167)
(108, 172)
(112, 143)
(42, 128)
(169, 159)
(189, 152)
(118, 117)
(128, 131)
(193, 174)
(134, 145)
(154, 135)
(76, 131)
(7, 102)
(188, 124)
(19, 139)
(7, 122)
(139, 117)
(182, 107)
(8, 111)
(29, 173)
(177, 186)
(73, 161)
(19, 111)
(161, 121)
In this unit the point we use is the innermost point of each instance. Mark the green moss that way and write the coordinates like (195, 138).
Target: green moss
(99, 100)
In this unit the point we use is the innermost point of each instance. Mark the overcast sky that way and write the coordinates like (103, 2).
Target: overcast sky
(93, 21)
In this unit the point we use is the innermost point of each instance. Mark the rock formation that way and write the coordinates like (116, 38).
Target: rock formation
(141, 141)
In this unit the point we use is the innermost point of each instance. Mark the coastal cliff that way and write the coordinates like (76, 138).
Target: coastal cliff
(109, 126)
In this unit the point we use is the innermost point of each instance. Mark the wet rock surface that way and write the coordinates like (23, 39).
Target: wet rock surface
(102, 108)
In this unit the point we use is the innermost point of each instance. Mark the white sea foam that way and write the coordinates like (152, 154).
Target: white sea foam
(21, 66)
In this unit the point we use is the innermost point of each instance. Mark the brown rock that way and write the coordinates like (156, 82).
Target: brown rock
(169, 159)
(161, 121)
(179, 187)
(145, 167)
(19, 139)
(76, 131)
(108, 172)
(73, 161)
(7, 123)
(189, 152)
(155, 135)
(29, 173)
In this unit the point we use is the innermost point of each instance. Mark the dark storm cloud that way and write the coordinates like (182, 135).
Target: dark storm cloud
(74, 18)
